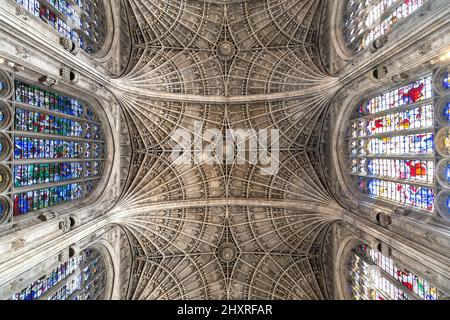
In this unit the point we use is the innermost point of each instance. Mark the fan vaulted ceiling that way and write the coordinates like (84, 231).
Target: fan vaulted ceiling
(225, 231)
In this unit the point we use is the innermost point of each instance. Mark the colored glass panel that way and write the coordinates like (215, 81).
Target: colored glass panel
(445, 80)
(446, 111)
(405, 95)
(381, 147)
(32, 148)
(408, 279)
(411, 195)
(38, 97)
(413, 170)
(31, 174)
(45, 283)
(365, 21)
(79, 23)
(417, 118)
(413, 144)
(26, 120)
(38, 199)
(97, 150)
(368, 284)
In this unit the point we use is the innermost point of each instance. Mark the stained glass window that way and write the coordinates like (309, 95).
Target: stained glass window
(392, 145)
(42, 198)
(377, 277)
(82, 21)
(31, 174)
(445, 82)
(40, 122)
(366, 20)
(41, 98)
(41, 286)
(58, 148)
(80, 278)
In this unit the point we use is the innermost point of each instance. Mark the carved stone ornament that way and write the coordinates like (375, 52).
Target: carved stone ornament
(431, 238)
(398, 78)
(63, 255)
(66, 43)
(425, 48)
(45, 216)
(47, 81)
(227, 252)
(20, 11)
(384, 219)
(64, 72)
(378, 43)
(226, 50)
(64, 224)
(14, 285)
(21, 52)
(17, 244)
(69, 45)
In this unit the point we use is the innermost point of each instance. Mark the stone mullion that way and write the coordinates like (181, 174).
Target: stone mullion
(49, 136)
(395, 109)
(52, 160)
(52, 184)
(396, 180)
(48, 111)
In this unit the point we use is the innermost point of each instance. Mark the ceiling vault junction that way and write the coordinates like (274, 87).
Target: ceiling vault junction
(225, 231)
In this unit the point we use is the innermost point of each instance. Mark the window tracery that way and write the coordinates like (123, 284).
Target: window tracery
(82, 277)
(52, 149)
(399, 144)
(375, 276)
(367, 20)
(81, 21)
(392, 145)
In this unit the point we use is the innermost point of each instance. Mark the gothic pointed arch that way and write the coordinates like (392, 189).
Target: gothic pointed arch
(396, 145)
(83, 23)
(53, 150)
(370, 273)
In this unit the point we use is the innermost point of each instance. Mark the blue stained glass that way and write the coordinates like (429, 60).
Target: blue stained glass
(90, 114)
(31, 148)
(448, 204)
(447, 173)
(97, 150)
(422, 143)
(31, 174)
(1, 210)
(2, 116)
(1, 147)
(412, 195)
(445, 81)
(446, 112)
(41, 98)
(2, 85)
(43, 198)
(370, 166)
(45, 283)
(26, 120)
